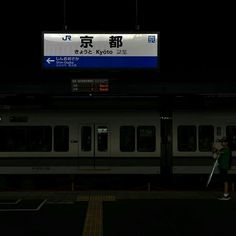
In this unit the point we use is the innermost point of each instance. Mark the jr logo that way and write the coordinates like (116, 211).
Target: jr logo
(66, 38)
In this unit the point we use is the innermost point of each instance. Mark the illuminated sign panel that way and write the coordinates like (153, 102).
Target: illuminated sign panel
(103, 51)
(90, 85)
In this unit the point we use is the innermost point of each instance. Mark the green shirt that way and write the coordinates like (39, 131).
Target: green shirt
(224, 158)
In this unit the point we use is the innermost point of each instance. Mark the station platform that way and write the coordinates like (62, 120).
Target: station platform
(118, 195)
(116, 213)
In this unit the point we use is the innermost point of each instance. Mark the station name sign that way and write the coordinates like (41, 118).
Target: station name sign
(100, 51)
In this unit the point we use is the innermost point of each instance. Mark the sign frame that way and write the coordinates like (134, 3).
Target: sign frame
(94, 69)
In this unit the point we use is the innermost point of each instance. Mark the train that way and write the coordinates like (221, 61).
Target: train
(114, 141)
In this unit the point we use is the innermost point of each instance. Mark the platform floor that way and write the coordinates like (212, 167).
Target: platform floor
(117, 213)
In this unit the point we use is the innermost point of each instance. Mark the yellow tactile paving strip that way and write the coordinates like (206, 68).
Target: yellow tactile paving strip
(94, 219)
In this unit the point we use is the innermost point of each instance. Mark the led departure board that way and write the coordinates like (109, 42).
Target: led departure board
(90, 86)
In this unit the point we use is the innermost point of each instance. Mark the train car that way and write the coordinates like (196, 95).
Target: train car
(80, 142)
(194, 132)
(112, 141)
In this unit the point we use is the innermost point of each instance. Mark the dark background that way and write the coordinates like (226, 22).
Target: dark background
(197, 41)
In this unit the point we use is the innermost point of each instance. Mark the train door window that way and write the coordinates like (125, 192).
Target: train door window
(205, 138)
(61, 138)
(187, 138)
(127, 138)
(86, 138)
(231, 134)
(146, 141)
(102, 138)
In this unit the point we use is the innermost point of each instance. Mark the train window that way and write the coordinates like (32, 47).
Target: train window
(86, 138)
(231, 134)
(61, 138)
(25, 138)
(187, 138)
(205, 137)
(146, 141)
(6, 142)
(127, 138)
(102, 138)
(218, 131)
(40, 138)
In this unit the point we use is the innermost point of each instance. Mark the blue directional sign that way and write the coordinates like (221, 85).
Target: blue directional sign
(100, 50)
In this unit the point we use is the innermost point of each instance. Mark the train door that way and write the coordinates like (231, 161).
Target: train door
(94, 145)
(166, 145)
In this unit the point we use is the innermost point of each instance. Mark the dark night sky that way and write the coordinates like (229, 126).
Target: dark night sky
(195, 38)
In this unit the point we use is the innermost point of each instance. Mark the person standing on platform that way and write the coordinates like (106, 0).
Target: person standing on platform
(216, 147)
(224, 164)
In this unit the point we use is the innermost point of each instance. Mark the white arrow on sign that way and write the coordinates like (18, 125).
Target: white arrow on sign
(49, 60)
